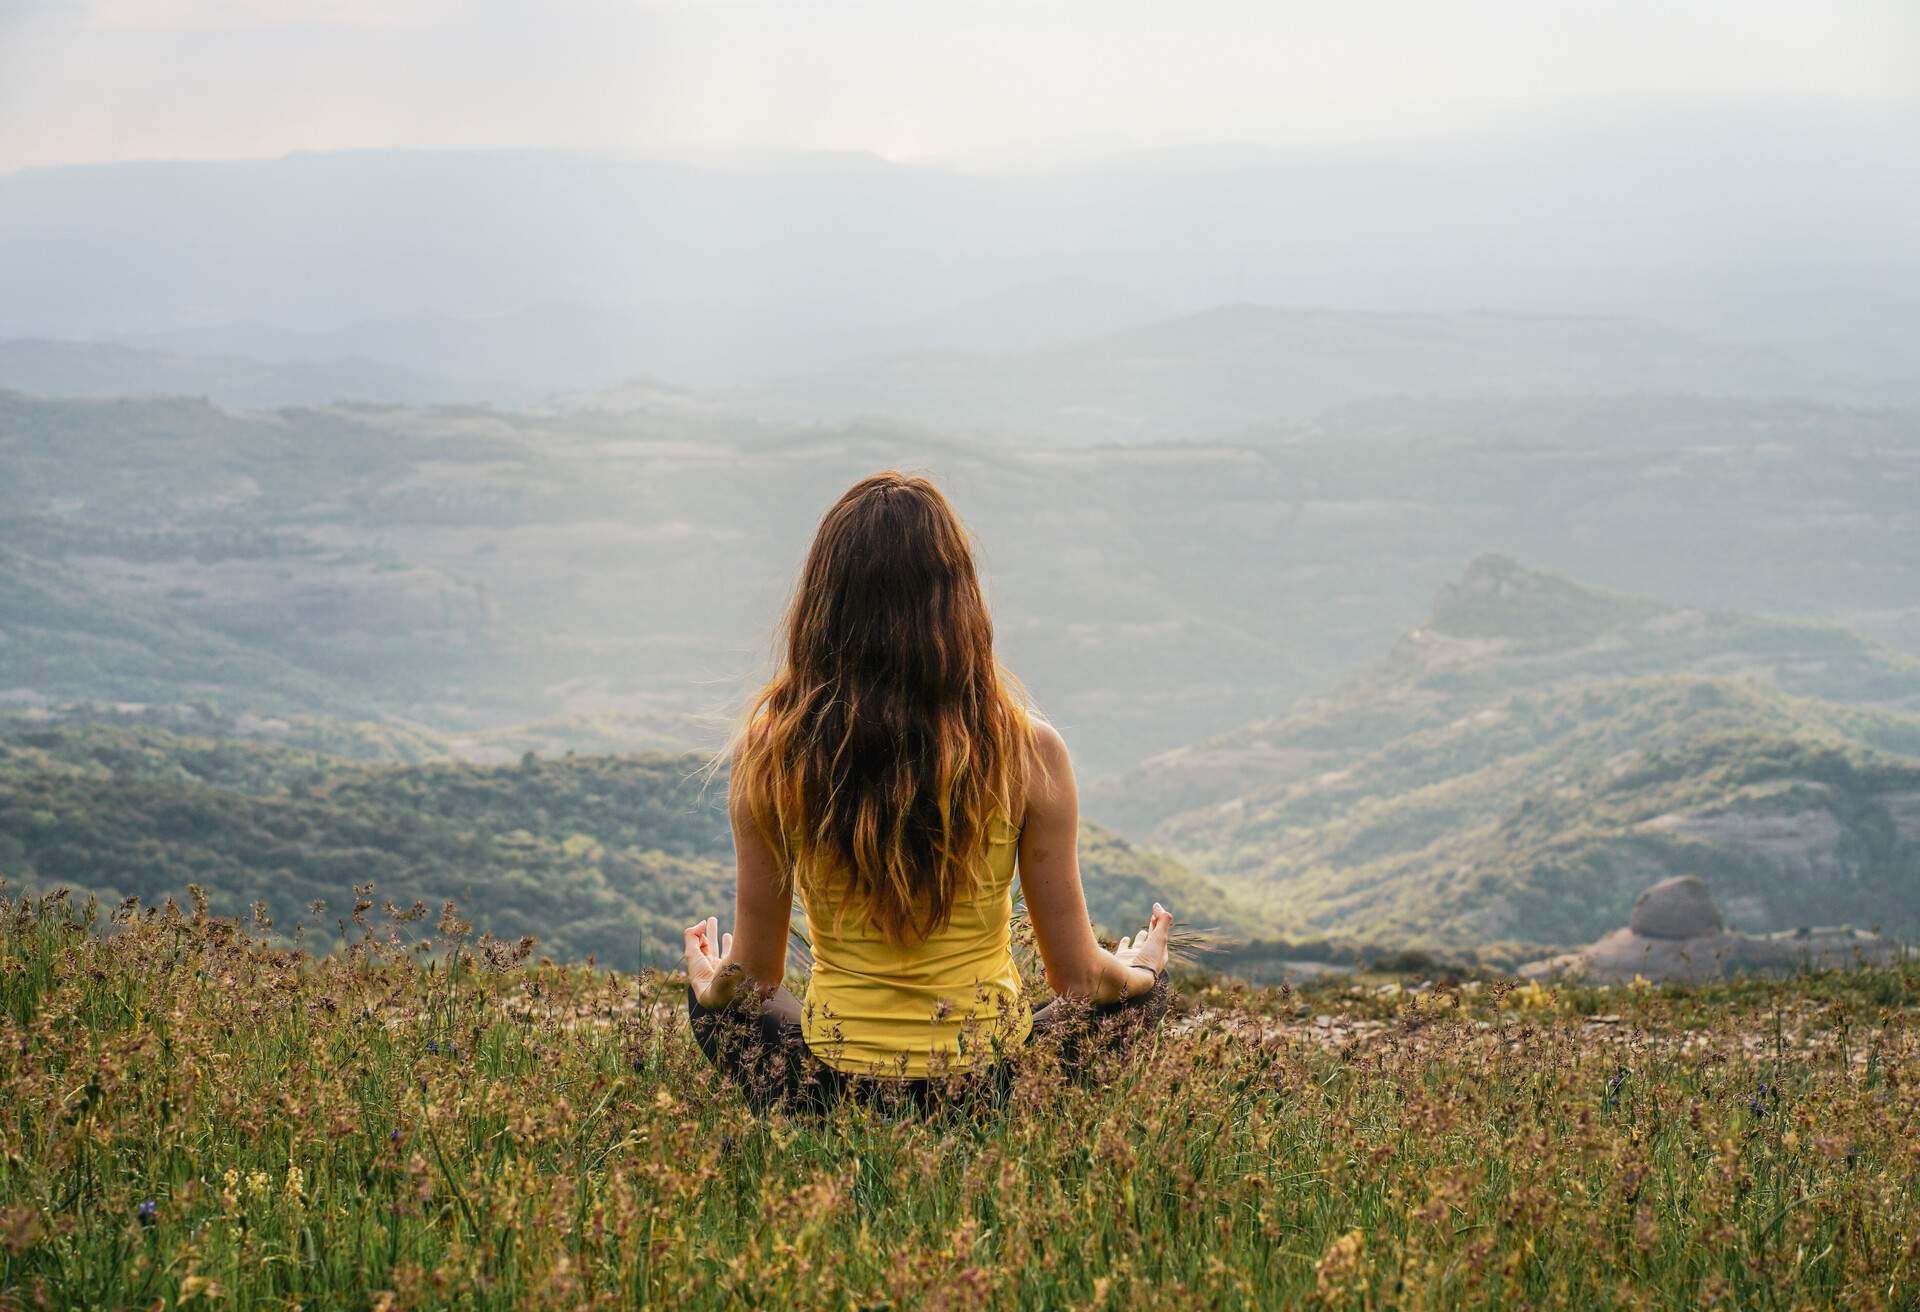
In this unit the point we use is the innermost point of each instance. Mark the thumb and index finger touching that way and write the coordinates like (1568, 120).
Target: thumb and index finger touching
(705, 938)
(1160, 923)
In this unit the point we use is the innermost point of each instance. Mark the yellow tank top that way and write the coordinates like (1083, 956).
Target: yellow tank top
(940, 1005)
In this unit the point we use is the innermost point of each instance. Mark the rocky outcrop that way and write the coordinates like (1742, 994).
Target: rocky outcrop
(1677, 908)
(1676, 935)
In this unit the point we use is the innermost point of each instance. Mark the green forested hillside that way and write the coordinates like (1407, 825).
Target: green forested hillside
(607, 856)
(1541, 822)
(1538, 752)
(1123, 880)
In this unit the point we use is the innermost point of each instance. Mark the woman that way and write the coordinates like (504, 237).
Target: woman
(893, 774)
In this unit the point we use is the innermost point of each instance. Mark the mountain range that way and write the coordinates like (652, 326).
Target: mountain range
(1219, 372)
(1784, 231)
(1238, 367)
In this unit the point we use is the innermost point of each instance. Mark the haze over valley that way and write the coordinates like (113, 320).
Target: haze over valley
(1419, 546)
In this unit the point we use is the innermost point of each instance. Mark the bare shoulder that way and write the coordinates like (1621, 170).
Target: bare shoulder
(740, 753)
(1050, 781)
(1048, 746)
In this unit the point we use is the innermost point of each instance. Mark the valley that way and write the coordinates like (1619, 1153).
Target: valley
(1674, 633)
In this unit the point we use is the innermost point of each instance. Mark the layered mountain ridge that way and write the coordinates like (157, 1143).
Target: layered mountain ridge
(1522, 764)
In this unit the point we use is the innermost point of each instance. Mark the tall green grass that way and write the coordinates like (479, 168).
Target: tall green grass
(195, 1117)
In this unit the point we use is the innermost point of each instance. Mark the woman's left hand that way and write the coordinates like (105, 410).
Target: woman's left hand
(1148, 948)
(710, 968)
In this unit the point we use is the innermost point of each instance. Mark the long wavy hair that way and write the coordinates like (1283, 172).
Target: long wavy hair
(890, 739)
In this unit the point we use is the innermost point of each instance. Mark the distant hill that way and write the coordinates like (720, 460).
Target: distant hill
(1066, 359)
(64, 639)
(166, 549)
(69, 368)
(1032, 314)
(1236, 367)
(1533, 755)
(594, 855)
(173, 463)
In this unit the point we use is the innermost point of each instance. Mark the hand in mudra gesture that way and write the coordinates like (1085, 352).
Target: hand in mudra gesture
(1148, 949)
(710, 967)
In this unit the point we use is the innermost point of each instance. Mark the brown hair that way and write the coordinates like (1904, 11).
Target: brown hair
(890, 738)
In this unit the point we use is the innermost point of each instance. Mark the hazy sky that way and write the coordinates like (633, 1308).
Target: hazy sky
(88, 80)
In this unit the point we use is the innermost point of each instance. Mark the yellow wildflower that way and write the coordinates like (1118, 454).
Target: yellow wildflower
(1532, 997)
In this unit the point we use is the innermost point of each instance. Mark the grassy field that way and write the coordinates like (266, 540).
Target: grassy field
(197, 1117)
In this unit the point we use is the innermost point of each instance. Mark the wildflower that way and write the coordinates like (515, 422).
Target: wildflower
(194, 1285)
(259, 1184)
(147, 1212)
(295, 1185)
(1338, 1273)
(20, 1229)
(1532, 997)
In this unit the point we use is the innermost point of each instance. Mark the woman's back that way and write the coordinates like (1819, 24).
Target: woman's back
(937, 1005)
(892, 774)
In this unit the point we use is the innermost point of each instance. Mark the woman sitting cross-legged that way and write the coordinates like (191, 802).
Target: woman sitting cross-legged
(894, 775)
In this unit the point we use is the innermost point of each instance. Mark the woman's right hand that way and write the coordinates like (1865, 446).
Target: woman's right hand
(709, 961)
(1148, 949)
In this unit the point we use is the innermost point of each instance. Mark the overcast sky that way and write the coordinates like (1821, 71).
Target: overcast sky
(92, 80)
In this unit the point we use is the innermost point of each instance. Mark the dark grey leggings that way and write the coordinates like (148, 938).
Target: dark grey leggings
(757, 1044)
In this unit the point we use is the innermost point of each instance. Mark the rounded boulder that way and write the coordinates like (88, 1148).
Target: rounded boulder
(1676, 908)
